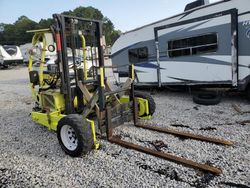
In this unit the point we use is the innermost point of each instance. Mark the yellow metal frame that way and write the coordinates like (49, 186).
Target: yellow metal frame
(92, 124)
(38, 34)
(51, 119)
(35, 39)
(58, 99)
(102, 77)
(143, 107)
(84, 57)
(133, 72)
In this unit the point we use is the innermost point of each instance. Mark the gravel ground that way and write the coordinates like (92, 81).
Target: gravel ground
(30, 155)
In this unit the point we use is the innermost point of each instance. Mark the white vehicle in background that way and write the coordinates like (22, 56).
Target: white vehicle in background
(207, 45)
(25, 52)
(51, 58)
(49, 65)
(91, 59)
(10, 54)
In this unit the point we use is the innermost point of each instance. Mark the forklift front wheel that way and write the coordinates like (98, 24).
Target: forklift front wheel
(74, 135)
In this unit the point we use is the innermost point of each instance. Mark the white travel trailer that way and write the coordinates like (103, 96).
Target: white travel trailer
(206, 45)
(10, 54)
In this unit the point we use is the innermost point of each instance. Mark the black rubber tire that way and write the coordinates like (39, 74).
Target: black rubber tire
(248, 92)
(90, 72)
(207, 98)
(150, 99)
(83, 133)
(5, 66)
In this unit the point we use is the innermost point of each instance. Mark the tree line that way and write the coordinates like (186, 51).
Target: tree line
(15, 34)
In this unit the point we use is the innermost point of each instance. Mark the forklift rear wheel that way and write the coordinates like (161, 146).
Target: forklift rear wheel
(248, 92)
(207, 98)
(75, 135)
(150, 99)
(5, 66)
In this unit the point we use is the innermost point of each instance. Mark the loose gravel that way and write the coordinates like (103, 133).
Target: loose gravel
(30, 155)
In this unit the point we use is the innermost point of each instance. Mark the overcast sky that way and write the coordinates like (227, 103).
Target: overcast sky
(125, 14)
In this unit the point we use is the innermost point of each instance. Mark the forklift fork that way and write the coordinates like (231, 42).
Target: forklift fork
(116, 140)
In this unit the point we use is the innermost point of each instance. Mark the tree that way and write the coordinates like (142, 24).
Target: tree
(22, 25)
(16, 33)
(2, 25)
(2, 28)
(45, 23)
(114, 36)
(88, 12)
(92, 13)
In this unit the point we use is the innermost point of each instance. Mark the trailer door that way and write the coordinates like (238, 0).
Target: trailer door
(199, 51)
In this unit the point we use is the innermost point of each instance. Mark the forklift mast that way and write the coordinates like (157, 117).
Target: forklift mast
(69, 32)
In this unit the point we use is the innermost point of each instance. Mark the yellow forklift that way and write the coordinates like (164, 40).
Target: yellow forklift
(78, 103)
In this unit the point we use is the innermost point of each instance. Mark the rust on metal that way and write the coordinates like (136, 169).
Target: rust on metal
(187, 135)
(108, 123)
(119, 112)
(176, 159)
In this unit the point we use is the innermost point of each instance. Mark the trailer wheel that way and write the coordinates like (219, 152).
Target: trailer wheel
(91, 71)
(5, 66)
(150, 99)
(207, 98)
(248, 92)
(74, 135)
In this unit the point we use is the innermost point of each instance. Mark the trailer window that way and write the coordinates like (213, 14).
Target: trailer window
(11, 50)
(138, 55)
(193, 45)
